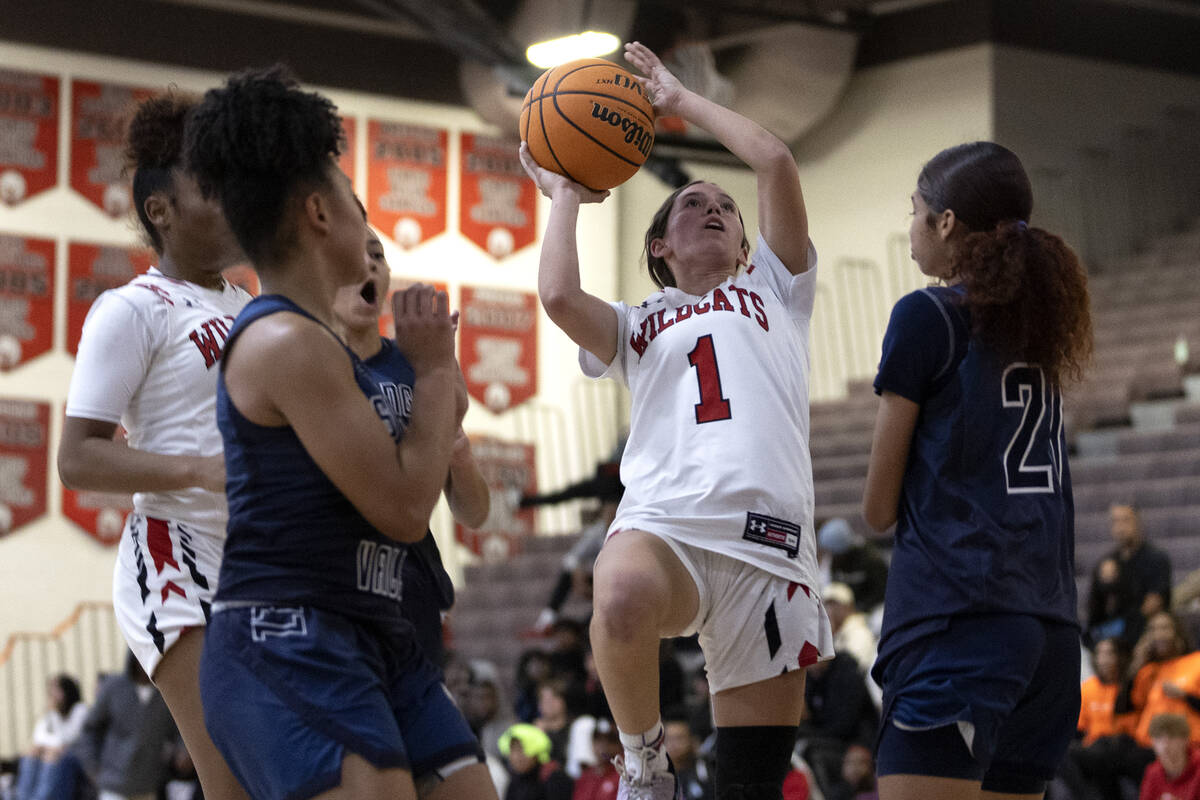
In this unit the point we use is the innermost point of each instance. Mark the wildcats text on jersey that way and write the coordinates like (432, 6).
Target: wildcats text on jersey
(656, 323)
(205, 338)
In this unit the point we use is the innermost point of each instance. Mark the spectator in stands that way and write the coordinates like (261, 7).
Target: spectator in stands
(533, 667)
(568, 645)
(576, 573)
(857, 780)
(1165, 672)
(484, 708)
(46, 772)
(600, 780)
(1101, 731)
(851, 633)
(129, 740)
(560, 716)
(595, 702)
(854, 562)
(1175, 774)
(683, 746)
(1148, 568)
(1113, 609)
(838, 713)
(535, 776)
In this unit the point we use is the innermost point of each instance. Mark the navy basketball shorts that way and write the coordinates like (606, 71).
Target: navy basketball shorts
(288, 692)
(993, 698)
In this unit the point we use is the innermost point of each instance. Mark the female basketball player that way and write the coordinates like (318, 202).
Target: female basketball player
(979, 657)
(146, 361)
(427, 590)
(313, 684)
(714, 533)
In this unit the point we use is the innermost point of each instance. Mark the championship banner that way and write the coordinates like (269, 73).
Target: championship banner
(406, 181)
(386, 320)
(346, 157)
(498, 201)
(99, 113)
(24, 450)
(510, 472)
(91, 270)
(28, 135)
(498, 345)
(26, 299)
(100, 514)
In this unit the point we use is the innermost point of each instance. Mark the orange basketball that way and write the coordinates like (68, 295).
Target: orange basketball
(589, 120)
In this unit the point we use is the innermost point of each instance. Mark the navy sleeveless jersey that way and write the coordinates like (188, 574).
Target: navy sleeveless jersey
(294, 538)
(986, 518)
(426, 587)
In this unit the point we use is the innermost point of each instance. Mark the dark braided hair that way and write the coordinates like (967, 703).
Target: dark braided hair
(1025, 289)
(255, 143)
(153, 147)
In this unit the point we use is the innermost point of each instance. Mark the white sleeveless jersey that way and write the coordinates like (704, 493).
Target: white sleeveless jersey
(148, 359)
(718, 443)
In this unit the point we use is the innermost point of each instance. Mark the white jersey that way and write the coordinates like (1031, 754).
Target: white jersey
(718, 443)
(148, 359)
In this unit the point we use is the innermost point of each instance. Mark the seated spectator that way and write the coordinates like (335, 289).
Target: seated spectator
(1113, 609)
(851, 634)
(600, 780)
(838, 713)
(561, 717)
(129, 742)
(533, 775)
(1147, 568)
(1162, 664)
(683, 746)
(44, 773)
(855, 562)
(857, 781)
(533, 667)
(1175, 774)
(568, 646)
(484, 708)
(1098, 694)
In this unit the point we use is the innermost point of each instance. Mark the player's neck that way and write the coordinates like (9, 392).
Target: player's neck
(364, 342)
(174, 268)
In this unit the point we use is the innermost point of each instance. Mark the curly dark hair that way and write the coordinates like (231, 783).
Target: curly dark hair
(1026, 290)
(660, 273)
(255, 143)
(153, 148)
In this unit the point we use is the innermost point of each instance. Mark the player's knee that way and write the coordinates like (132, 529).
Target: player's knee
(753, 760)
(626, 605)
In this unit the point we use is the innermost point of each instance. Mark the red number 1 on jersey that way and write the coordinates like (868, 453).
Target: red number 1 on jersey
(712, 406)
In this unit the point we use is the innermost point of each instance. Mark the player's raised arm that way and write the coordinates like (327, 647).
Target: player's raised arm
(782, 218)
(589, 321)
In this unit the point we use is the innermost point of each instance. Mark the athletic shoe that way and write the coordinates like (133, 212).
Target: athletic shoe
(660, 786)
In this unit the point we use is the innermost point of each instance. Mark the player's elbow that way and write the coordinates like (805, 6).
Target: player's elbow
(878, 516)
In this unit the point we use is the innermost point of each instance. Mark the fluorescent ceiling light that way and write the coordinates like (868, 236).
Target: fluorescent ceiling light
(588, 44)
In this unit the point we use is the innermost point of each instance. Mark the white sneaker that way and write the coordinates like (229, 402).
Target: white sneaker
(655, 786)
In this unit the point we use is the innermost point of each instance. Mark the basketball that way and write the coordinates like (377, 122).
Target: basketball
(589, 120)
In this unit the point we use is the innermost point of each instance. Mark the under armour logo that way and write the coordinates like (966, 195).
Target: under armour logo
(758, 526)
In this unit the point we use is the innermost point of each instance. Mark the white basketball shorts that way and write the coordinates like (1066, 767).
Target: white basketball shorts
(163, 583)
(753, 625)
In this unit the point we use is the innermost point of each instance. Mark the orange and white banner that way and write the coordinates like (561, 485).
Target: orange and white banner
(92, 269)
(99, 114)
(26, 299)
(28, 135)
(510, 472)
(406, 181)
(24, 450)
(497, 200)
(497, 330)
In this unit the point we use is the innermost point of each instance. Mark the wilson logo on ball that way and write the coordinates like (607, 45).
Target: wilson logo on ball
(589, 120)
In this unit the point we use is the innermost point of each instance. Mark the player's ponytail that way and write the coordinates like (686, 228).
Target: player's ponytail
(254, 143)
(1025, 289)
(154, 147)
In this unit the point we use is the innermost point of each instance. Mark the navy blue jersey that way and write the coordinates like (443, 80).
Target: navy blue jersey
(986, 518)
(294, 538)
(426, 587)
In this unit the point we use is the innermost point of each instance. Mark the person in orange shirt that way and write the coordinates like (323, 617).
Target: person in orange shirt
(1101, 731)
(1166, 678)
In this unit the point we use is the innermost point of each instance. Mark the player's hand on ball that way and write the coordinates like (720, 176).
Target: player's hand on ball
(550, 182)
(666, 91)
(424, 332)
